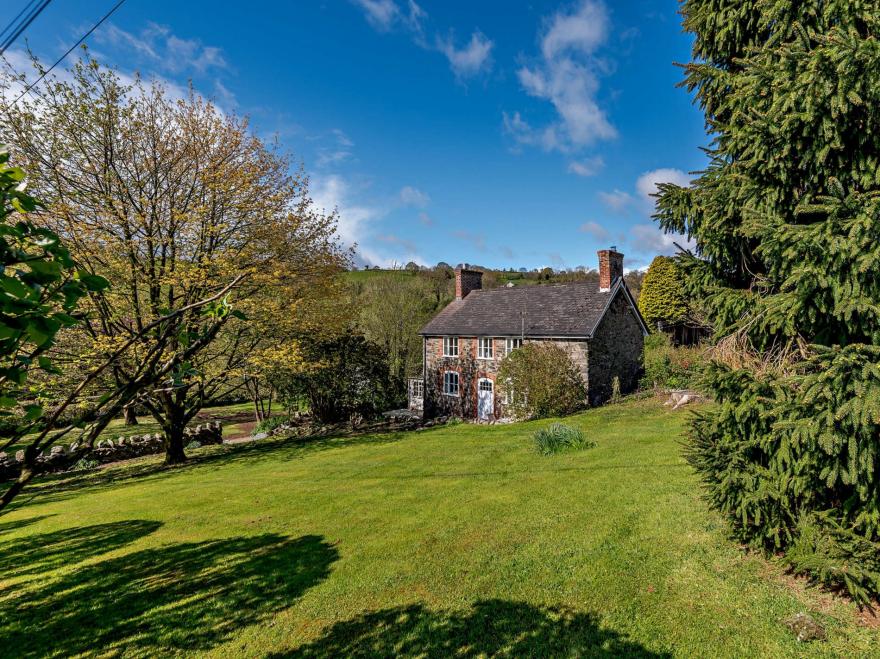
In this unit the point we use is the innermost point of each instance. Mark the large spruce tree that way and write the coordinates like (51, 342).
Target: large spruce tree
(786, 218)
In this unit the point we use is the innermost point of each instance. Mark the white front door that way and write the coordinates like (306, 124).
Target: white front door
(485, 399)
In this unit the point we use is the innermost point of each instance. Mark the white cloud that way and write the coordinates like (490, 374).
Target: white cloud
(381, 14)
(519, 128)
(410, 196)
(476, 240)
(339, 151)
(470, 59)
(356, 223)
(18, 62)
(588, 167)
(566, 75)
(646, 185)
(556, 259)
(583, 30)
(618, 200)
(333, 193)
(649, 239)
(158, 44)
(391, 239)
(222, 96)
(595, 230)
(465, 61)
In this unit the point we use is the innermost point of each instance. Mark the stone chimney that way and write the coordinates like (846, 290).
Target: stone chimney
(610, 268)
(467, 280)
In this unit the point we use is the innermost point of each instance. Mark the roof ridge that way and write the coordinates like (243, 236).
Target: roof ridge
(556, 284)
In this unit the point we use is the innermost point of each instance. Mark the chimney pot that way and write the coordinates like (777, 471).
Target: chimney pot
(610, 268)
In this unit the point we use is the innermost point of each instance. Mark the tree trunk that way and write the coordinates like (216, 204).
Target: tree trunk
(174, 454)
(173, 424)
(129, 415)
(253, 387)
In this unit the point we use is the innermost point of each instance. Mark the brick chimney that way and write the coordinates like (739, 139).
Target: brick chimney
(610, 268)
(467, 280)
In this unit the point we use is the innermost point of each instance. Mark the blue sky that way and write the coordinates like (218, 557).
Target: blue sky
(496, 133)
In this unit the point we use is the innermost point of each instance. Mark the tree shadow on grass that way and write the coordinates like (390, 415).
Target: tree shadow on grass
(46, 552)
(6, 527)
(163, 600)
(493, 628)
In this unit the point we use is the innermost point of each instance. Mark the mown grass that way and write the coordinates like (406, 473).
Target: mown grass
(452, 541)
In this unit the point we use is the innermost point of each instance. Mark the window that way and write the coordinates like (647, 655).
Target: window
(450, 346)
(485, 348)
(512, 344)
(450, 383)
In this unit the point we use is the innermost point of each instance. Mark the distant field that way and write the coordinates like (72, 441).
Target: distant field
(455, 541)
(366, 275)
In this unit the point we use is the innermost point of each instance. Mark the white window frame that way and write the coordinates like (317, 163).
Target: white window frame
(511, 344)
(485, 344)
(450, 346)
(447, 380)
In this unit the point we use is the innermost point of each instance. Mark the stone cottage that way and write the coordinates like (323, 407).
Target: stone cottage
(600, 328)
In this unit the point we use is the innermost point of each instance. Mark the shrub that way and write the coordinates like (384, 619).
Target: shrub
(560, 437)
(616, 397)
(193, 444)
(346, 376)
(269, 424)
(670, 367)
(543, 381)
(84, 464)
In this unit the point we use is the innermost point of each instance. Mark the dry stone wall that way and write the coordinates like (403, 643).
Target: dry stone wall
(61, 458)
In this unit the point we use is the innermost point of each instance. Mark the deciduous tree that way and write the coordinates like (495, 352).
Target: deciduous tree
(171, 199)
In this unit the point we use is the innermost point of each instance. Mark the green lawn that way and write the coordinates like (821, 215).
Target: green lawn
(458, 540)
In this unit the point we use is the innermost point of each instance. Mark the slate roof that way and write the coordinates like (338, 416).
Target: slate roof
(556, 310)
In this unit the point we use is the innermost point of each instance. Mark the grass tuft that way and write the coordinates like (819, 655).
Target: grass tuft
(560, 437)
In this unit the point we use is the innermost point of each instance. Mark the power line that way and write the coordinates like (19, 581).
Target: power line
(26, 21)
(11, 23)
(69, 50)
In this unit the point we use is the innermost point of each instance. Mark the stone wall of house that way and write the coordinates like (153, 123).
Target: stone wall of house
(616, 350)
(471, 369)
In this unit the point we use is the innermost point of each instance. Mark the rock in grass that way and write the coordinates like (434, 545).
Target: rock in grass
(805, 628)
